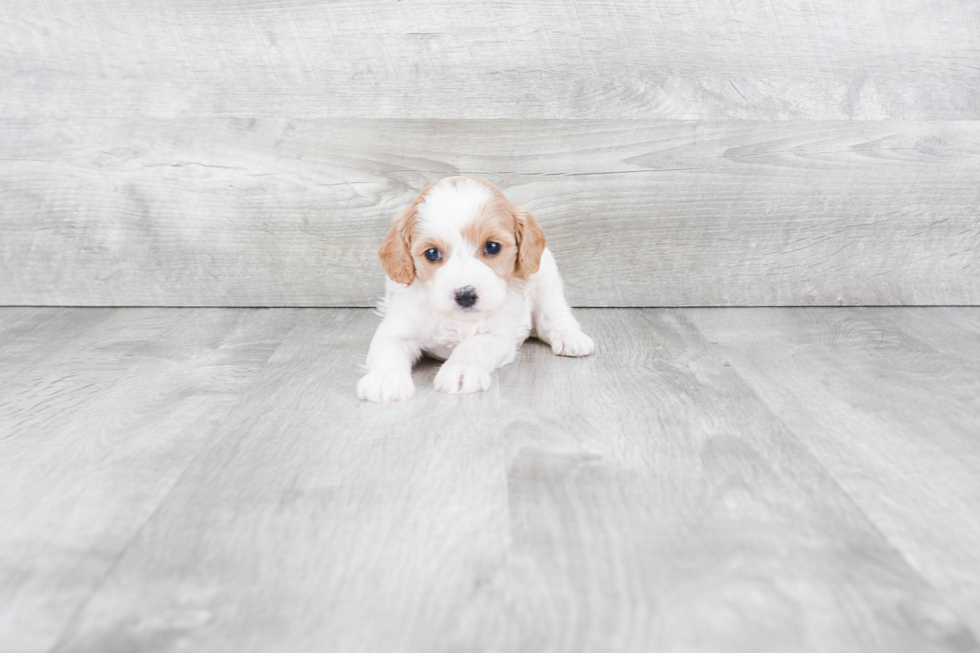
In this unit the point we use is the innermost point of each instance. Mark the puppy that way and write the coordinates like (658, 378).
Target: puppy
(469, 279)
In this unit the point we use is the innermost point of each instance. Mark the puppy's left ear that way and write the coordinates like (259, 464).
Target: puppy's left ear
(530, 243)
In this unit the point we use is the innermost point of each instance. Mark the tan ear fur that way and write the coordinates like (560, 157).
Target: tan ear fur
(396, 259)
(530, 243)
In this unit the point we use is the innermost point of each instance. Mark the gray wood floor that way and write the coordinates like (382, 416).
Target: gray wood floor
(709, 480)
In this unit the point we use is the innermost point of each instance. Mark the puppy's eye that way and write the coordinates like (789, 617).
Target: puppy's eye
(433, 254)
(491, 248)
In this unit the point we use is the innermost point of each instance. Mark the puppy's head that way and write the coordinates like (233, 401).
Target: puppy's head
(464, 242)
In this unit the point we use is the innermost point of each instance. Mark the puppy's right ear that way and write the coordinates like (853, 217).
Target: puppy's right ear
(396, 259)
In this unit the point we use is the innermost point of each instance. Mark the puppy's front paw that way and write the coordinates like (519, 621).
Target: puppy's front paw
(455, 378)
(572, 343)
(385, 386)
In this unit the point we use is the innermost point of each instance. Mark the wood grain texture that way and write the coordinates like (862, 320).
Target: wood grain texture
(29, 336)
(94, 434)
(821, 59)
(209, 211)
(249, 154)
(645, 498)
(893, 417)
(947, 330)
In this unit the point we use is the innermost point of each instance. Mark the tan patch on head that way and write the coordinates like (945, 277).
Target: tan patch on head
(521, 238)
(396, 249)
(496, 223)
(528, 234)
(424, 268)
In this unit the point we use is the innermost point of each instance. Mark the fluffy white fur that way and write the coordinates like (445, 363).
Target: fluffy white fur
(420, 308)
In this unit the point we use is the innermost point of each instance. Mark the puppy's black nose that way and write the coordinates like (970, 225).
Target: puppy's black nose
(466, 297)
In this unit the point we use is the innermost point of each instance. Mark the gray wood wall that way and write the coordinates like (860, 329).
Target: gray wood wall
(678, 152)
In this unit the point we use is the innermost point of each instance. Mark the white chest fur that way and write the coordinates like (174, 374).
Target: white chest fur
(438, 335)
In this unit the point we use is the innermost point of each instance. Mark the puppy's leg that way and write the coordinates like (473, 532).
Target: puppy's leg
(389, 364)
(553, 320)
(468, 368)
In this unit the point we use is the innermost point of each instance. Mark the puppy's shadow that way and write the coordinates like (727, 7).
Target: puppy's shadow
(425, 370)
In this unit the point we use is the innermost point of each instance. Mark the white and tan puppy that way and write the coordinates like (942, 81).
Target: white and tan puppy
(469, 279)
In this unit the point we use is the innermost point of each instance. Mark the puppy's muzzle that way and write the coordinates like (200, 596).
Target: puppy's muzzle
(466, 297)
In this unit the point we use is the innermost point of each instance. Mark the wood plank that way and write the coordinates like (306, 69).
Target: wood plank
(640, 499)
(93, 439)
(16, 322)
(950, 330)
(43, 333)
(894, 420)
(639, 213)
(823, 59)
